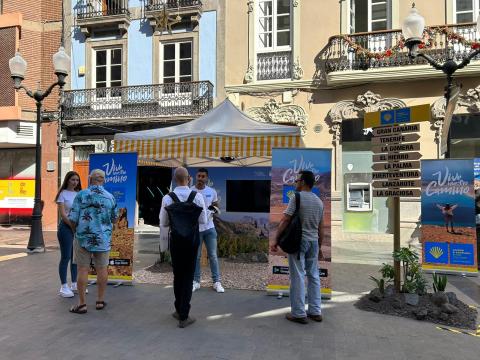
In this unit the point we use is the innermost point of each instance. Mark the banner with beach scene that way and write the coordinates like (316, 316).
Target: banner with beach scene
(121, 181)
(448, 216)
(286, 164)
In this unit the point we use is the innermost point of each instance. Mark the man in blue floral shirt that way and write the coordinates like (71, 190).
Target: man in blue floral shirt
(93, 213)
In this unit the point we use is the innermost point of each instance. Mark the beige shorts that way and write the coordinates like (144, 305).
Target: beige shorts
(82, 257)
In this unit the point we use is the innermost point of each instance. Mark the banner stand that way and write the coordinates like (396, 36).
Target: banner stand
(286, 164)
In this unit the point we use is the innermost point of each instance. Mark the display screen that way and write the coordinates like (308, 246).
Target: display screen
(248, 196)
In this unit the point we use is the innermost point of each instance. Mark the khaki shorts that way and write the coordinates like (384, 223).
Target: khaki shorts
(82, 257)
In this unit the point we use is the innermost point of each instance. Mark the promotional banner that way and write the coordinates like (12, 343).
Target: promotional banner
(16, 200)
(448, 216)
(121, 181)
(286, 164)
(244, 202)
(476, 174)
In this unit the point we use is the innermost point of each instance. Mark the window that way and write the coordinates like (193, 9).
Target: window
(466, 10)
(274, 22)
(359, 197)
(274, 39)
(248, 196)
(369, 15)
(108, 71)
(176, 62)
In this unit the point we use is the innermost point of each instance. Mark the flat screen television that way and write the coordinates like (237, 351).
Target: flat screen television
(251, 196)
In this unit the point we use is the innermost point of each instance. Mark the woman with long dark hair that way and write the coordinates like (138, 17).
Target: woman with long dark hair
(64, 199)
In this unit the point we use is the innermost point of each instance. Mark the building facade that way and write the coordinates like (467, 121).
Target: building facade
(138, 65)
(322, 64)
(33, 28)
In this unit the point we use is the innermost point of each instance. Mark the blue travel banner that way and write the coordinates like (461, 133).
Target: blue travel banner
(121, 181)
(286, 164)
(448, 216)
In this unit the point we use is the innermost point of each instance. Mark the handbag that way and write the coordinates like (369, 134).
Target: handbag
(290, 239)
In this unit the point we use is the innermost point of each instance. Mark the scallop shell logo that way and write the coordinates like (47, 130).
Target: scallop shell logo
(436, 252)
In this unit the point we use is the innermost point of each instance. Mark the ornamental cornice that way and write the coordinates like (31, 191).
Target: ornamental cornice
(367, 102)
(272, 112)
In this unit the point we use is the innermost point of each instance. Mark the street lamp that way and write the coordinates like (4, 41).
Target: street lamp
(412, 29)
(18, 67)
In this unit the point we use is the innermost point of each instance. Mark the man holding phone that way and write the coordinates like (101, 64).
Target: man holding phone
(208, 234)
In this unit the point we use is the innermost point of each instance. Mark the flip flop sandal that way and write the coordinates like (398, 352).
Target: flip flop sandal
(79, 309)
(102, 303)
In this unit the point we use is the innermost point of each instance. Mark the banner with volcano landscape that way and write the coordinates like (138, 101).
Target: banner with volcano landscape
(448, 216)
(286, 164)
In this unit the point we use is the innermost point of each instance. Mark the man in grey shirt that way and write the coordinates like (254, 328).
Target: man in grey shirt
(311, 216)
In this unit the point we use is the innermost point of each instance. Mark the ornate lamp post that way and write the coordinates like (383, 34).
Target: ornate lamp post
(18, 67)
(412, 29)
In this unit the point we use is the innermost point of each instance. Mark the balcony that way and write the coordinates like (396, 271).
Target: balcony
(102, 14)
(162, 13)
(382, 55)
(137, 104)
(274, 66)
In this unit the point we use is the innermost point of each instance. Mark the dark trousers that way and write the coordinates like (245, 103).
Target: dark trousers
(184, 255)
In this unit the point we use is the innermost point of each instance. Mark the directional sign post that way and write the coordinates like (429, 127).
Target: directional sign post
(407, 156)
(395, 136)
(395, 139)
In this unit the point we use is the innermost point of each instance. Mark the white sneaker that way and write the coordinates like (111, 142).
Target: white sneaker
(74, 288)
(218, 287)
(65, 291)
(196, 286)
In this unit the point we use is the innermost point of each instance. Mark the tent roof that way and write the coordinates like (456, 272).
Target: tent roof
(223, 120)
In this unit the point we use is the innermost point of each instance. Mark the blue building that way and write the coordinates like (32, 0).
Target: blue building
(137, 64)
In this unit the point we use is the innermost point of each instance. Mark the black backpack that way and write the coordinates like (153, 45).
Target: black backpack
(290, 239)
(183, 218)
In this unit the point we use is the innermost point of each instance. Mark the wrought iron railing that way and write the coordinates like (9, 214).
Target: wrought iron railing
(138, 102)
(382, 49)
(151, 5)
(86, 9)
(274, 66)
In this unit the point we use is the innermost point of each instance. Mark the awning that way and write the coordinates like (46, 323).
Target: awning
(223, 132)
(207, 147)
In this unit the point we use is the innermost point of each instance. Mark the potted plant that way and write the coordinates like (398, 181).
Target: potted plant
(414, 283)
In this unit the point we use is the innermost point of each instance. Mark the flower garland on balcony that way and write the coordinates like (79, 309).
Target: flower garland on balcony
(427, 43)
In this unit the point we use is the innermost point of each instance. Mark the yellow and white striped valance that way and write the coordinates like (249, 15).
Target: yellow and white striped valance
(207, 147)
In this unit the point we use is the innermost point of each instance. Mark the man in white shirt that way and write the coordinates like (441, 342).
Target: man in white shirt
(183, 244)
(208, 234)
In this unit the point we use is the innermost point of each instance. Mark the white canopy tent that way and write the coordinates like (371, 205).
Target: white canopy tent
(224, 135)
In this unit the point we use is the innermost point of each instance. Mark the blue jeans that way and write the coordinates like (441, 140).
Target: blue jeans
(299, 264)
(209, 237)
(65, 238)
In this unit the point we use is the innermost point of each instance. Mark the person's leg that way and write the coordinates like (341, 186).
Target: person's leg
(102, 279)
(313, 276)
(210, 238)
(198, 270)
(82, 279)
(297, 284)
(65, 250)
(188, 267)
(73, 266)
(177, 272)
